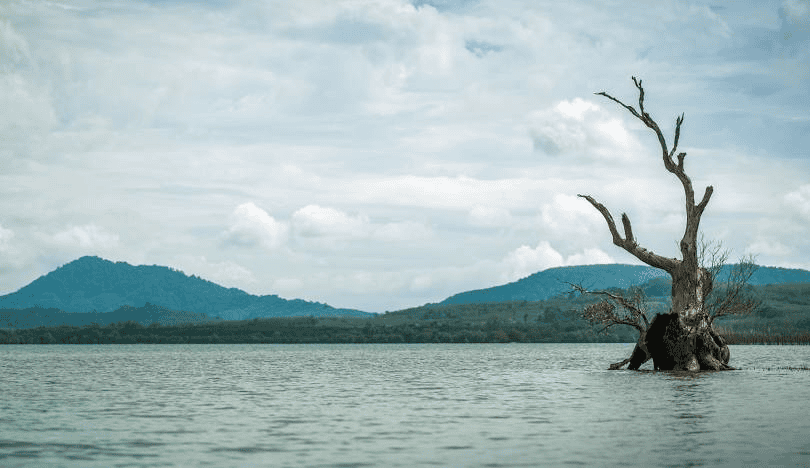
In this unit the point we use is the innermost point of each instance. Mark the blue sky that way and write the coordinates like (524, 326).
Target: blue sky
(385, 154)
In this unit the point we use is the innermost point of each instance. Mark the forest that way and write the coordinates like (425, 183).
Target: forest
(782, 318)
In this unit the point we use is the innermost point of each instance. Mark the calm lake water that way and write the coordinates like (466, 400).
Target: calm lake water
(491, 405)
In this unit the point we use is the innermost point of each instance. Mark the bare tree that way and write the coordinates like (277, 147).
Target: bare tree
(683, 339)
(729, 296)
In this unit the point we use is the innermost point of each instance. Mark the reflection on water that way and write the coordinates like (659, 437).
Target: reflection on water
(394, 405)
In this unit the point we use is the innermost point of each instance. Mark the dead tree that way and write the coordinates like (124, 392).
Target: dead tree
(683, 339)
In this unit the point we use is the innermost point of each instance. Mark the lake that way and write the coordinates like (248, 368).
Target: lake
(476, 405)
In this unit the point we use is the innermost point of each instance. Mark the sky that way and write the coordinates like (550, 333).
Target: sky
(385, 154)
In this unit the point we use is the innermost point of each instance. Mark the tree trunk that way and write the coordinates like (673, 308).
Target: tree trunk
(674, 345)
(685, 339)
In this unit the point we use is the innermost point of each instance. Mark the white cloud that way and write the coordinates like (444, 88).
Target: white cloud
(5, 239)
(592, 256)
(526, 260)
(226, 273)
(13, 47)
(799, 200)
(570, 214)
(402, 231)
(797, 10)
(289, 287)
(768, 248)
(421, 282)
(318, 221)
(575, 109)
(489, 216)
(581, 129)
(401, 135)
(86, 238)
(442, 192)
(252, 226)
(330, 225)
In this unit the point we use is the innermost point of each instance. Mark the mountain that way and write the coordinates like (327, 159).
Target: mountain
(92, 284)
(146, 315)
(554, 281)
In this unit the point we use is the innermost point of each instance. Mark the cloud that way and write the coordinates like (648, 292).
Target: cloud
(581, 129)
(526, 260)
(251, 226)
(490, 216)
(403, 147)
(769, 248)
(569, 213)
(13, 47)
(318, 221)
(592, 256)
(226, 273)
(401, 231)
(5, 239)
(799, 200)
(797, 12)
(87, 238)
(289, 287)
(331, 224)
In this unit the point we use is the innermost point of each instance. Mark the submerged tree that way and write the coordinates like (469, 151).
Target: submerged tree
(684, 338)
(729, 296)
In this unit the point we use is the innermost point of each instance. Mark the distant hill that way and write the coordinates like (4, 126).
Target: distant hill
(92, 284)
(554, 281)
(146, 315)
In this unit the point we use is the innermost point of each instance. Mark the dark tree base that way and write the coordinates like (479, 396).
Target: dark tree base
(672, 346)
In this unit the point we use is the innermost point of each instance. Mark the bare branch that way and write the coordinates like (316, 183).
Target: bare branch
(711, 256)
(617, 239)
(604, 312)
(678, 123)
(693, 212)
(629, 243)
(629, 108)
(681, 157)
(705, 201)
(637, 82)
(730, 297)
(628, 230)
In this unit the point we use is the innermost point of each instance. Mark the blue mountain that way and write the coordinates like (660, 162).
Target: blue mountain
(655, 282)
(92, 284)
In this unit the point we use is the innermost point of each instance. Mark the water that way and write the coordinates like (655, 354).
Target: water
(395, 405)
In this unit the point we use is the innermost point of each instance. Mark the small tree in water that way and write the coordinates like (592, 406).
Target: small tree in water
(684, 338)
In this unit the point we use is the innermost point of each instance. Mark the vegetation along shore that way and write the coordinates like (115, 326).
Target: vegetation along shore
(783, 318)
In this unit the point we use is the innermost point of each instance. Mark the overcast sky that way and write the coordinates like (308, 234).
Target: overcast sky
(384, 154)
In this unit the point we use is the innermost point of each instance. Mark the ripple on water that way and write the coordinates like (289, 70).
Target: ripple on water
(395, 405)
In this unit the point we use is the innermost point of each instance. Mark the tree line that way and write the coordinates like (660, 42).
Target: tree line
(784, 317)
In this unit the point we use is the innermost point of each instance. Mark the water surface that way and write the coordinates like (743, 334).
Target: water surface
(490, 405)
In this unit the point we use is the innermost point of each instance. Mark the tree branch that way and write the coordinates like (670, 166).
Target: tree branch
(629, 243)
(731, 297)
(605, 313)
(678, 123)
(628, 230)
(705, 201)
(693, 212)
